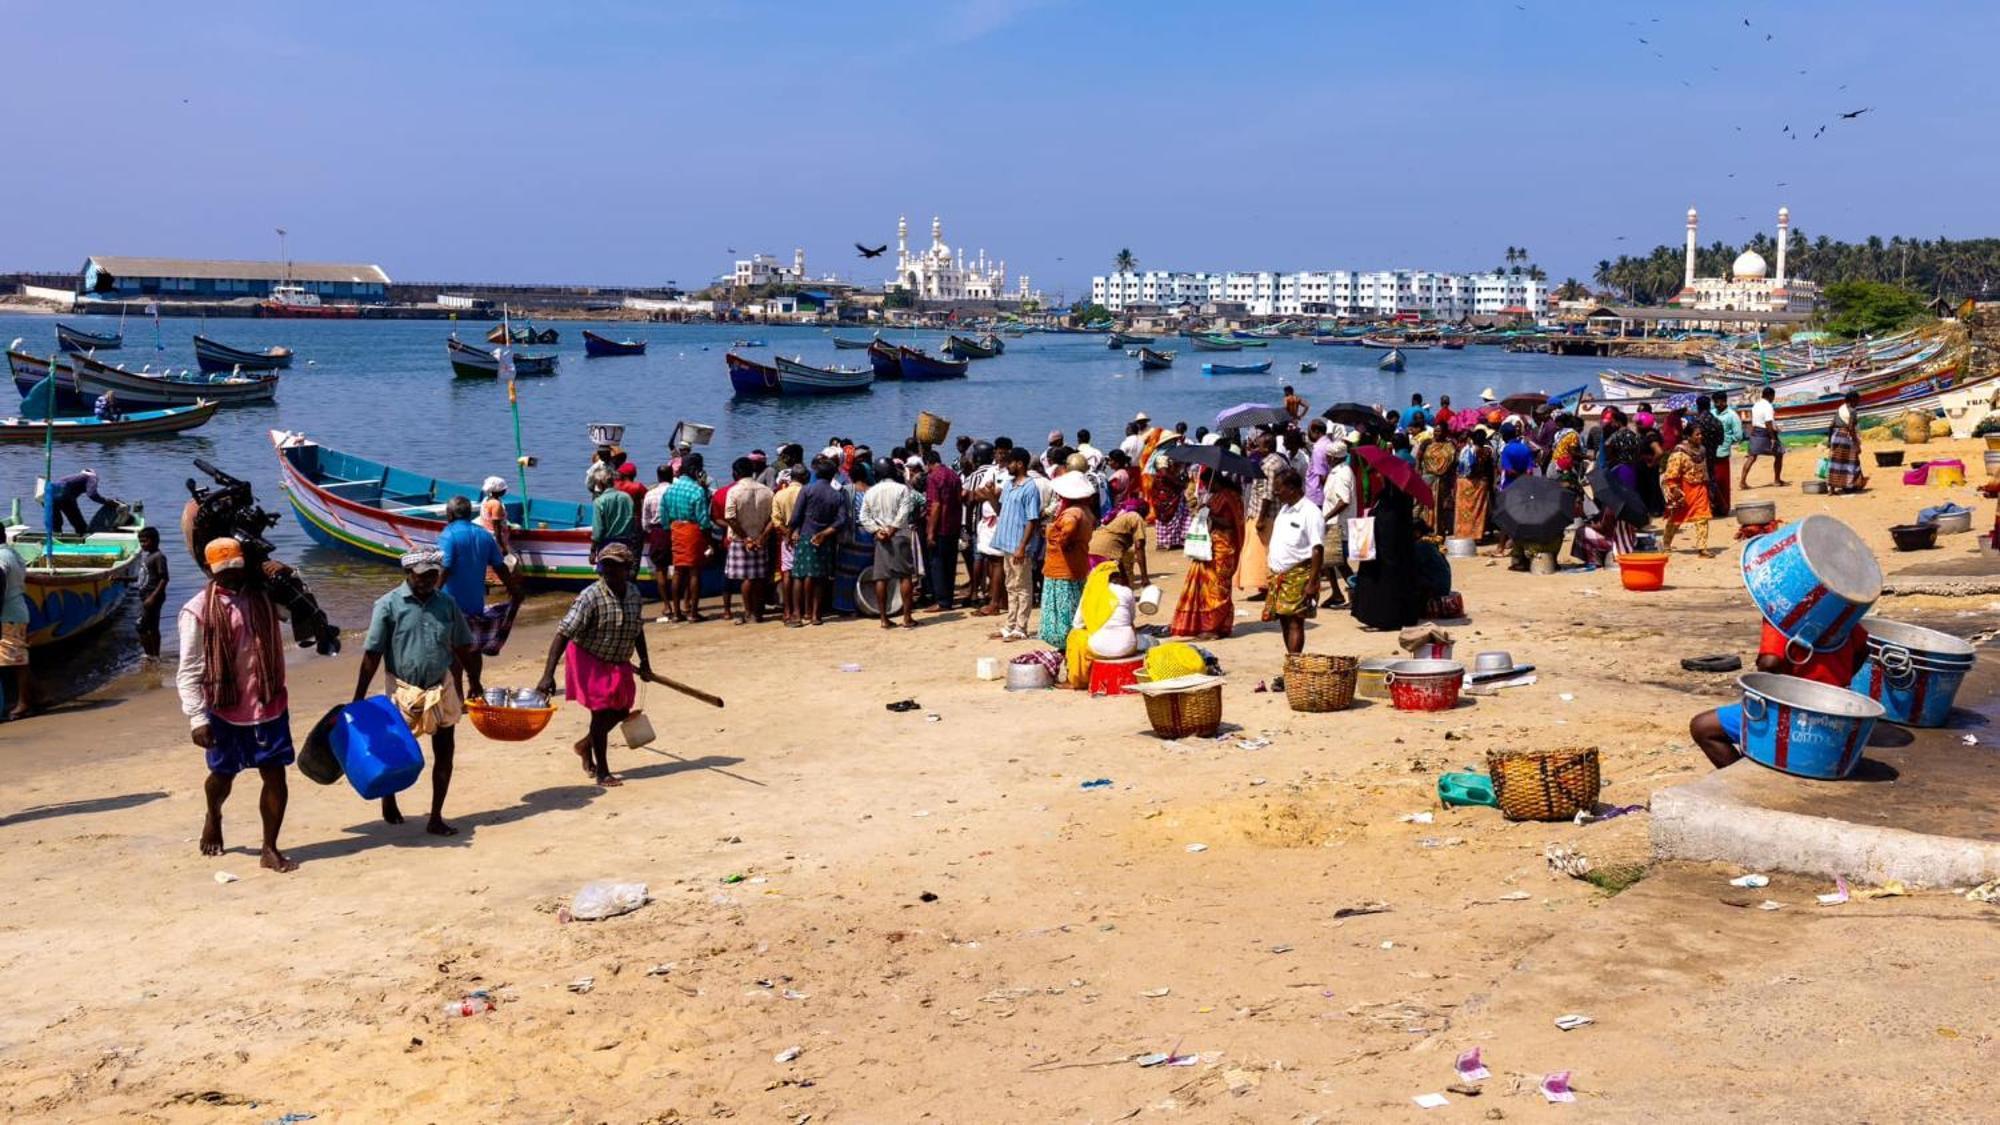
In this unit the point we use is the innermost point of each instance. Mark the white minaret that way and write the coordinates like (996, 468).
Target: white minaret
(1784, 236)
(799, 260)
(937, 231)
(902, 238)
(1693, 222)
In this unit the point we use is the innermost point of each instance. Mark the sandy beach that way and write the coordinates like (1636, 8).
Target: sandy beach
(947, 927)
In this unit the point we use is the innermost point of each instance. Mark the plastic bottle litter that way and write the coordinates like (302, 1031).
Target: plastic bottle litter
(1573, 1021)
(788, 1054)
(1555, 1087)
(471, 1004)
(1751, 881)
(1418, 818)
(604, 899)
(582, 985)
(1197, 847)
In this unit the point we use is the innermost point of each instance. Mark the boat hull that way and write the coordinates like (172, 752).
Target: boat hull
(144, 423)
(851, 345)
(468, 362)
(800, 380)
(213, 356)
(67, 602)
(919, 367)
(138, 389)
(883, 358)
(1211, 344)
(598, 347)
(1236, 368)
(747, 377)
(77, 340)
(29, 370)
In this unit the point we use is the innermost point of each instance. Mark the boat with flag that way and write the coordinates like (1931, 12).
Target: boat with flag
(32, 427)
(468, 362)
(599, 347)
(77, 340)
(920, 365)
(214, 355)
(147, 388)
(77, 584)
(29, 370)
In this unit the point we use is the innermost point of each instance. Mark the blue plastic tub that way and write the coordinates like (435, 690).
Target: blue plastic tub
(1804, 728)
(1812, 580)
(1913, 672)
(376, 749)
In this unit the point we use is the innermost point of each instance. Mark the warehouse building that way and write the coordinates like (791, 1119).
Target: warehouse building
(111, 278)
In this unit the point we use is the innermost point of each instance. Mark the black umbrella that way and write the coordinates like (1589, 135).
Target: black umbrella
(1217, 458)
(1620, 499)
(1535, 509)
(1354, 414)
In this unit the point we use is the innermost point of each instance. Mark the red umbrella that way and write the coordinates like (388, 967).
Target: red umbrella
(1397, 472)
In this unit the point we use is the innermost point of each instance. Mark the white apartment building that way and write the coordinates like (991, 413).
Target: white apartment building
(1380, 293)
(763, 269)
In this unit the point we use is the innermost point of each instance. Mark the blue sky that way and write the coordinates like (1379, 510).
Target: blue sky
(629, 142)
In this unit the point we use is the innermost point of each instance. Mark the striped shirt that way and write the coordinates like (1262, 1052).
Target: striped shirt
(1020, 511)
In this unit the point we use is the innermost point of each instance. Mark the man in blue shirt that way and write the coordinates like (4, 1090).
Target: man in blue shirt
(1415, 418)
(470, 551)
(1517, 457)
(1014, 538)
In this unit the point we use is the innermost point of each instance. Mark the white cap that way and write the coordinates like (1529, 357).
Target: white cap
(1074, 486)
(1487, 395)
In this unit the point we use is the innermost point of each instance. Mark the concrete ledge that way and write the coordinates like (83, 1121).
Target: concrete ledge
(1706, 820)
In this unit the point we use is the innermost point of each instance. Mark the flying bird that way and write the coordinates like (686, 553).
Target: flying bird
(1856, 113)
(1818, 131)
(1746, 21)
(1767, 37)
(1643, 40)
(875, 253)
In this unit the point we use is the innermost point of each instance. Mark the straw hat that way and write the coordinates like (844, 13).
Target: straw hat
(1074, 486)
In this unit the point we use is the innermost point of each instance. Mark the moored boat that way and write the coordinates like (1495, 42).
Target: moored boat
(749, 377)
(77, 340)
(921, 365)
(297, 301)
(1391, 361)
(154, 389)
(1452, 343)
(1152, 360)
(80, 585)
(142, 423)
(213, 355)
(1308, 366)
(597, 346)
(468, 362)
(346, 501)
(1215, 344)
(522, 334)
(852, 345)
(29, 370)
(799, 379)
(1123, 339)
(1236, 368)
(883, 358)
(958, 347)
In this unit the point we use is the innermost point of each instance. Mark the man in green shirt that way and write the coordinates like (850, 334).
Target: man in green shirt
(612, 518)
(1718, 465)
(421, 636)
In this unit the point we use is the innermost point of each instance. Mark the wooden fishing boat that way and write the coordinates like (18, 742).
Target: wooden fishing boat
(146, 390)
(1308, 366)
(291, 300)
(29, 370)
(1123, 339)
(799, 379)
(80, 585)
(213, 355)
(596, 346)
(747, 344)
(1236, 368)
(1391, 361)
(77, 340)
(1452, 343)
(1215, 344)
(143, 423)
(350, 502)
(958, 347)
(1151, 360)
(852, 345)
(468, 362)
(883, 358)
(921, 365)
(524, 334)
(748, 377)
(1336, 341)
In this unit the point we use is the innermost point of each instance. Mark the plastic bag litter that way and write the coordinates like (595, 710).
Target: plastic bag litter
(1555, 1087)
(1471, 1068)
(603, 899)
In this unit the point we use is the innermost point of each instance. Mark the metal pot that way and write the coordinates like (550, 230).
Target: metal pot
(1461, 548)
(1028, 677)
(1368, 680)
(1424, 685)
(1953, 523)
(1757, 512)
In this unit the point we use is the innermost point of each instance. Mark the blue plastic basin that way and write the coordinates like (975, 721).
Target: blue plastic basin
(376, 749)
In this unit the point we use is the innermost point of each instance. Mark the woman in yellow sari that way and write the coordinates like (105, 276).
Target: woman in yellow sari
(1206, 610)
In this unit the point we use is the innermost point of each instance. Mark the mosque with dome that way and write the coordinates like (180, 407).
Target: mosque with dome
(938, 274)
(1752, 284)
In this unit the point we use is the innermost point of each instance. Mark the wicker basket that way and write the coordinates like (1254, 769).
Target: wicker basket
(931, 429)
(1544, 784)
(1317, 682)
(508, 724)
(1186, 714)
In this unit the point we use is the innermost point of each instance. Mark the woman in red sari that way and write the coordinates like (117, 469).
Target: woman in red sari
(1206, 610)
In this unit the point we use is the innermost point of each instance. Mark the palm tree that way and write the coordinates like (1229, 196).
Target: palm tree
(1572, 289)
(1125, 262)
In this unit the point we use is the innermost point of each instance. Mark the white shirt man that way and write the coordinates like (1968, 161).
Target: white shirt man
(1298, 529)
(1763, 415)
